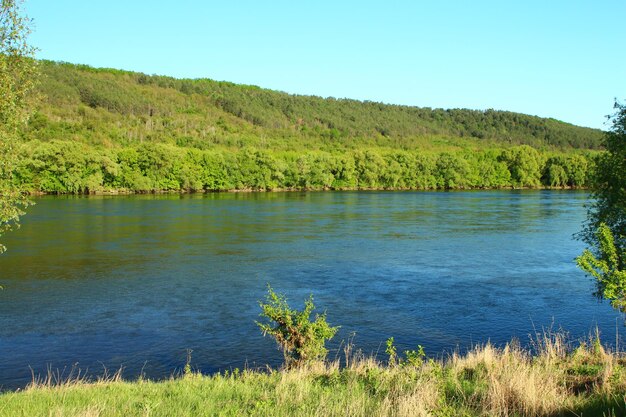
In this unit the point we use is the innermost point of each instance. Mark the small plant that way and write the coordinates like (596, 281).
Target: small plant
(412, 357)
(187, 369)
(392, 352)
(300, 339)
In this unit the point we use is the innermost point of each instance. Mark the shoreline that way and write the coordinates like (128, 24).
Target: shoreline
(558, 380)
(123, 192)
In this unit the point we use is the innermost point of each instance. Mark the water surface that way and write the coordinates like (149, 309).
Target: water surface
(133, 282)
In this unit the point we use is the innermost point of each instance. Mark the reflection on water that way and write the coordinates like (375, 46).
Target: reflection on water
(135, 281)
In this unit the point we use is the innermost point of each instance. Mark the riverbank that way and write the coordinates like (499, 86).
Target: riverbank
(585, 381)
(126, 192)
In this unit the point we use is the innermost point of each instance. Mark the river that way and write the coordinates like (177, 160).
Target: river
(133, 282)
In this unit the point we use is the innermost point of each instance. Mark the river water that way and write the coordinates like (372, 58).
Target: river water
(134, 282)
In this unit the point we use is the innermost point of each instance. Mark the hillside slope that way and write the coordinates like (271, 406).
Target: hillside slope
(104, 106)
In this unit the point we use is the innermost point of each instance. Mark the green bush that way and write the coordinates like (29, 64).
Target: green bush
(300, 339)
(605, 268)
(412, 357)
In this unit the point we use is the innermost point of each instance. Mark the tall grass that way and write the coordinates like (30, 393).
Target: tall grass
(552, 379)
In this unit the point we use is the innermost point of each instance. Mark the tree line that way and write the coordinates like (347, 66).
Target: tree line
(74, 167)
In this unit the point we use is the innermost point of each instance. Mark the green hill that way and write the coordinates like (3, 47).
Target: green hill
(105, 129)
(128, 107)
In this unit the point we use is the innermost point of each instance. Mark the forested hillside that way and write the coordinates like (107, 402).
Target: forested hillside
(100, 106)
(108, 130)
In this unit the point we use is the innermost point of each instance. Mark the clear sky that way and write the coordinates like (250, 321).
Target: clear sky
(552, 58)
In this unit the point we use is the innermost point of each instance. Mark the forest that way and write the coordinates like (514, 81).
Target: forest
(106, 130)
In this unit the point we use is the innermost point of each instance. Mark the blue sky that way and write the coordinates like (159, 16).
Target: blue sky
(552, 58)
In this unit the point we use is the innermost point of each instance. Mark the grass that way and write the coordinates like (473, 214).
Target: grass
(487, 381)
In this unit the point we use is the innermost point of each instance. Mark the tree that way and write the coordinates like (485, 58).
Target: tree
(18, 74)
(609, 187)
(605, 230)
(300, 339)
(604, 267)
(524, 163)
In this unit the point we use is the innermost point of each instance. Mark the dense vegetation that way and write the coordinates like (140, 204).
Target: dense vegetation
(103, 105)
(605, 230)
(609, 187)
(110, 130)
(18, 73)
(586, 381)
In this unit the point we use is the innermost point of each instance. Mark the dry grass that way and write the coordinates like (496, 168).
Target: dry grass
(514, 384)
(75, 376)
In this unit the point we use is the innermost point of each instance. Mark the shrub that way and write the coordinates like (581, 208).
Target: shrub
(412, 357)
(605, 268)
(300, 339)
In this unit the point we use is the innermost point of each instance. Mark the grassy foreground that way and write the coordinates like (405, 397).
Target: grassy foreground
(487, 381)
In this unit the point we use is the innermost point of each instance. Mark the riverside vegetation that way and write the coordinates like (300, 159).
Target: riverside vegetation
(605, 229)
(555, 380)
(104, 130)
(18, 74)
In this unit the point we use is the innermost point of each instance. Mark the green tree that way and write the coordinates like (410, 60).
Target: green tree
(609, 188)
(524, 163)
(300, 339)
(555, 174)
(452, 171)
(18, 73)
(605, 268)
(605, 230)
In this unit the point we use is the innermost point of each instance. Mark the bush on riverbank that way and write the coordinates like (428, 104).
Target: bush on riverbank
(301, 340)
(585, 381)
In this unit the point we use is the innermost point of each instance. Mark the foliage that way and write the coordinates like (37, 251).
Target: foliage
(17, 79)
(76, 167)
(392, 351)
(605, 230)
(524, 164)
(103, 130)
(606, 268)
(414, 357)
(18, 70)
(300, 339)
(411, 357)
(111, 107)
(609, 188)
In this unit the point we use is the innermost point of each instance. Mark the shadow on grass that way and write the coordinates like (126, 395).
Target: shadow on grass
(599, 406)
